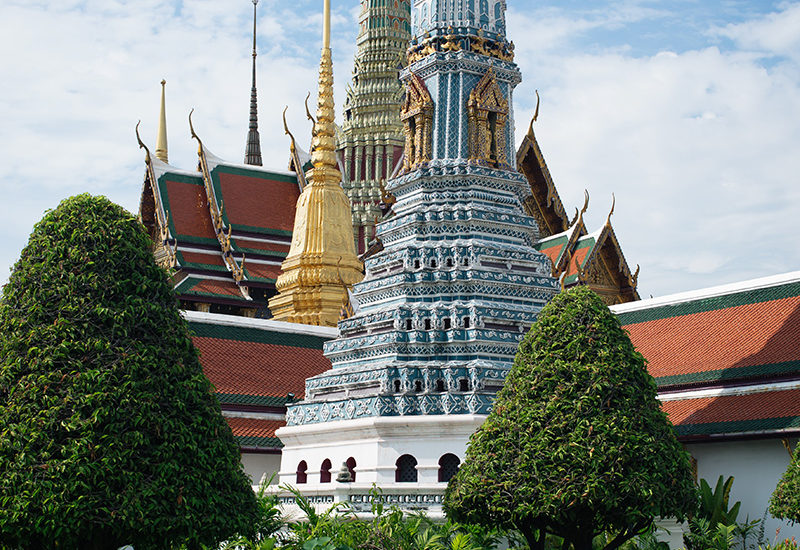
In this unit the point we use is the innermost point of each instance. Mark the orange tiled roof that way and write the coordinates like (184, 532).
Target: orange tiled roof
(725, 338)
(254, 432)
(257, 366)
(729, 414)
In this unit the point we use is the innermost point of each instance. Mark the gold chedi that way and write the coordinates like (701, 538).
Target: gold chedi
(322, 261)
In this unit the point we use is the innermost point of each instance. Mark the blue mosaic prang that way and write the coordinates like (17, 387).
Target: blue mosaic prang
(444, 305)
(488, 16)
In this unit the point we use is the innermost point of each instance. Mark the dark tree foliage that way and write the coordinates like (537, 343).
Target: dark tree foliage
(785, 501)
(576, 444)
(109, 431)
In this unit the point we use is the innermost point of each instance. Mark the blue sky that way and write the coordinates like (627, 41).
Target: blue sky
(689, 111)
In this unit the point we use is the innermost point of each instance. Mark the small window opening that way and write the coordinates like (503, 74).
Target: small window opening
(408, 324)
(417, 386)
(448, 466)
(449, 262)
(465, 262)
(440, 385)
(351, 467)
(447, 322)
(433, 263)
(427, 324)
(397, 386)
(466, 322)
(406, 469)
(463, 384)
(325, 471)
(302, 477)
(416, 264)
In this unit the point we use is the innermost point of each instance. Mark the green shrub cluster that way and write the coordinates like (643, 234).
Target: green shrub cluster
(109, 431)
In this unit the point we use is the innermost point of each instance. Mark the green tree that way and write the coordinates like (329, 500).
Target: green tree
(109, 431)
(785, 501)
(576, 444)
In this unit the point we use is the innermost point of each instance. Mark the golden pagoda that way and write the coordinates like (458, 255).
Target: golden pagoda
(322, 262)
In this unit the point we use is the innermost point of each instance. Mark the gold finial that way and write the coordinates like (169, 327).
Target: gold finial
(326, 25)
(161, 140)
(535, 116)
(613, 203)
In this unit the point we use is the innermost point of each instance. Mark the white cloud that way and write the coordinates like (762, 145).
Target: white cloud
(776, 33)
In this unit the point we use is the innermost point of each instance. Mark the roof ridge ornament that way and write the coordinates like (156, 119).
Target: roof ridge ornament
(535, 115)
(298, 167)
(252, 153)
(613, 204)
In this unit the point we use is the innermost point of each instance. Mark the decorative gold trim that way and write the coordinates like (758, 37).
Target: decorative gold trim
(416, 115)
(487, 111)
(217, 219)
(169, 244)
(298, 167)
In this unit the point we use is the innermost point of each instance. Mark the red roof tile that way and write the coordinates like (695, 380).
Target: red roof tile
(260, 245)
(262, 271)
(224, 288)
(748, 335)
(254, 427)
(258, 202)
(254, 368)
(732, 408)
(188, 210)
(210, 258)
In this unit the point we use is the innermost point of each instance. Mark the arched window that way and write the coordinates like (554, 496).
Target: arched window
(325, 471)
(448, 466)
(406, 471)
(301, 472)
(351, 466)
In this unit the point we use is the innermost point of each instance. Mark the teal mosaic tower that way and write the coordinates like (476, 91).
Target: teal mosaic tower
(458, 283)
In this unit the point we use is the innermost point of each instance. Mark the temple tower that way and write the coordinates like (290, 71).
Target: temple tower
(371, 141)
(322, 262)
(444, 305)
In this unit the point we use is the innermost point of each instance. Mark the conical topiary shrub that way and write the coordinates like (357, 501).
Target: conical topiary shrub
(109, 431)
(576, 443)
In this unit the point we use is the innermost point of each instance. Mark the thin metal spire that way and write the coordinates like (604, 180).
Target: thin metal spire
(252, 153)
(161, 140)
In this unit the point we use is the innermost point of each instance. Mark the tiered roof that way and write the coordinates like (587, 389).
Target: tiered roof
(224, 230)
(726, 359)
(578, 256)
(257, 366)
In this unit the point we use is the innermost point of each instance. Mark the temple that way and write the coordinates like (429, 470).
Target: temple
(445, 302)
(464, 239)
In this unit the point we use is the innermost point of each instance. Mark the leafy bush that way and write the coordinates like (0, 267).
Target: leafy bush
(109, 431)
(576, 444)
(785, 501)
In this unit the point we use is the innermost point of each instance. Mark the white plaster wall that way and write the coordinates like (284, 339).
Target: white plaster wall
(376, 444)
(756, 466)
(257, 465)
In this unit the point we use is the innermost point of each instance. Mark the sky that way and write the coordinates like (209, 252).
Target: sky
(688, 111)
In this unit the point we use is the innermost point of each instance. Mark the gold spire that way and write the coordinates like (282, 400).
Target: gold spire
(161, 140)
(322, 261)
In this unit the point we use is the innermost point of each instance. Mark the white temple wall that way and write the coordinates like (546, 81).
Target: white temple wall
(375, 444)
(757, 466)
(257, 465)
